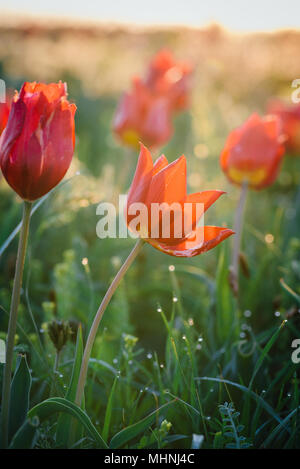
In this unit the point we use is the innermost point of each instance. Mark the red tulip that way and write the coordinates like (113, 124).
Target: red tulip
(166, 183)
(290, 119)
(37, 145)
(253, 152)
(169, 78)
(142, 117)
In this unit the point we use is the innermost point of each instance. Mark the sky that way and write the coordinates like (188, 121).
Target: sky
(237, 15)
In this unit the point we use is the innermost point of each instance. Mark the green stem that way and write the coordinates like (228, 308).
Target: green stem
(238, 228)
(12, 324)
(93, 331)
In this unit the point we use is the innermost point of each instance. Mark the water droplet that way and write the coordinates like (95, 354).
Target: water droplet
(149, 356)
(191, 321)
(242, 335)
(175, 299)
(159, 310)
(277, 314)
(247, 313)
(115, 360)
(171, 268)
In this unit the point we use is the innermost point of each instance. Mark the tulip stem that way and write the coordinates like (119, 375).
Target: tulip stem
(94, 328)
(12, 324)
(238, 228)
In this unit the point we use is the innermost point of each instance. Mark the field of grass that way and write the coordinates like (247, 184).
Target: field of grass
(178, 361)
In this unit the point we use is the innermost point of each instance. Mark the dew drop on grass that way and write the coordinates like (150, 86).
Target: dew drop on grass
(161, 365)
(115, 361)
(175, 299)
(199, 347)
(247, 313)
(184, 337)
(242, 335)
(191, 321)
(200, 339)
(171, 268)
(159, 310)
(149, 356)
(277, 314)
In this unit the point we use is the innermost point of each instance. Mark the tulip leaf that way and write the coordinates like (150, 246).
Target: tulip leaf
(26, 436)
(55, 405)
(64, 426)
(128, 433)
(19, 397)
(108, 411)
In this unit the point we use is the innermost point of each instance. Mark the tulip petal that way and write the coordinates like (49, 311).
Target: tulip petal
(159, 164)
(212, 236)
(142, 177)
(169, 184)
(13, 129)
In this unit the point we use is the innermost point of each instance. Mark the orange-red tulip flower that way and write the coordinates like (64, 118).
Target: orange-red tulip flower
(164, 183)
(253, 152)
(169, 78)
(142, 117)
(290, 119)
(37, 145)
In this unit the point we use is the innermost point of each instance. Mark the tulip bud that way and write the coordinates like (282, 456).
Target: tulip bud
(253, 152)
(142, 117)
(37, 145)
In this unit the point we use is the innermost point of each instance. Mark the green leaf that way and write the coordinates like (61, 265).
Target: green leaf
(252, 394)
(26, 436)
(109, 411)
(290, 291)
(64, 424)
(58, 404)
(134, 430)
(265, 353)
(226, 319)
(19, 397)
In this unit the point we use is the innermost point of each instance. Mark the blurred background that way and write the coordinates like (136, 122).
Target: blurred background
(244, 54)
